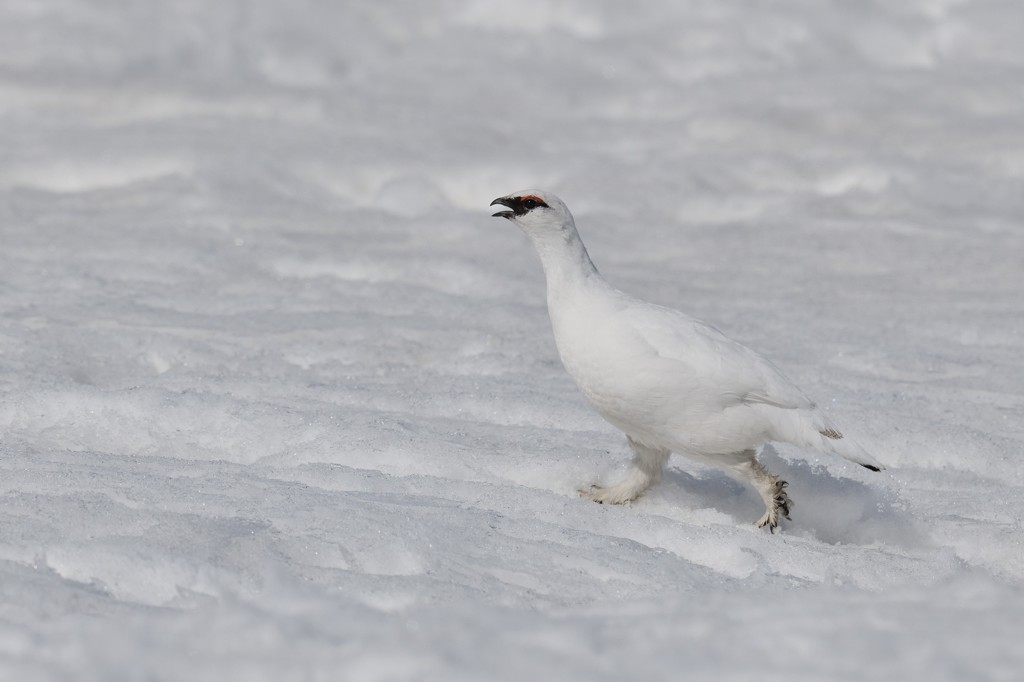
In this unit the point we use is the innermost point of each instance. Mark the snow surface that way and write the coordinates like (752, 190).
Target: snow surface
(280, 399)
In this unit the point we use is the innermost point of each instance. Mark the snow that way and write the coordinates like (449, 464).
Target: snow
(280, 398)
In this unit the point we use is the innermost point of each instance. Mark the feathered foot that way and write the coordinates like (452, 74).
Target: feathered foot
(771, 488)
(777, 503)
(645, 471)
(612, 495)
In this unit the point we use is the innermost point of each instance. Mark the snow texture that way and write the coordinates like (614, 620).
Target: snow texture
(280, 398)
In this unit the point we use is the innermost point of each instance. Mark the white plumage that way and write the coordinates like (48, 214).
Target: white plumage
(669, 381)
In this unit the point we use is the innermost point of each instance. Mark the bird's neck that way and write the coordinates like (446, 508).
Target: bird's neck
(565, 259)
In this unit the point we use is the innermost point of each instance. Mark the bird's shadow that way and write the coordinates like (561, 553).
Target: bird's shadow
(833, 509)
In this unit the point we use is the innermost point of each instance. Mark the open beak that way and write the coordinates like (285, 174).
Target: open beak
(503, 201)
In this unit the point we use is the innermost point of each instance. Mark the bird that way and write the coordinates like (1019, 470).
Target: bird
(670, 382)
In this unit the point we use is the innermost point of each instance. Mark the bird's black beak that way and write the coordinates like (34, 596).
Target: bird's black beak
(504, 201)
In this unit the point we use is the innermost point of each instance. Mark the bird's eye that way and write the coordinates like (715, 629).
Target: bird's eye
(530, 204)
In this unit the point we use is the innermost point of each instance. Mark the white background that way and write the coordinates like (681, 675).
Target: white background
(280, 399)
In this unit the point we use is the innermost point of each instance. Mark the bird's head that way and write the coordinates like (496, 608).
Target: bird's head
(534, 210)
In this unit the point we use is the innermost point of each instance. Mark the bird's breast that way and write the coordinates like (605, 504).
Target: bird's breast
(627, 382)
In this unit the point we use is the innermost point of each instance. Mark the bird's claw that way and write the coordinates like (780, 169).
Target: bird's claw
(591, 493)
(779, 506)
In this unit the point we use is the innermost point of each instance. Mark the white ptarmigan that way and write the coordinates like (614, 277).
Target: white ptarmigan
(669, 381)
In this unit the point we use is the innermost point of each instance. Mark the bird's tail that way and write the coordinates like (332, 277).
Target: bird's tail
(813, 429)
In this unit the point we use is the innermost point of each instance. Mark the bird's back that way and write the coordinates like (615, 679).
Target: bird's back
(659, 373)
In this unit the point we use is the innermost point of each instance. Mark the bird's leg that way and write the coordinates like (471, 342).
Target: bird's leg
(645, 471)
(771, 487)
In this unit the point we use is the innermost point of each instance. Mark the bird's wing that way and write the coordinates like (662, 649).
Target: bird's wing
(737, 373)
